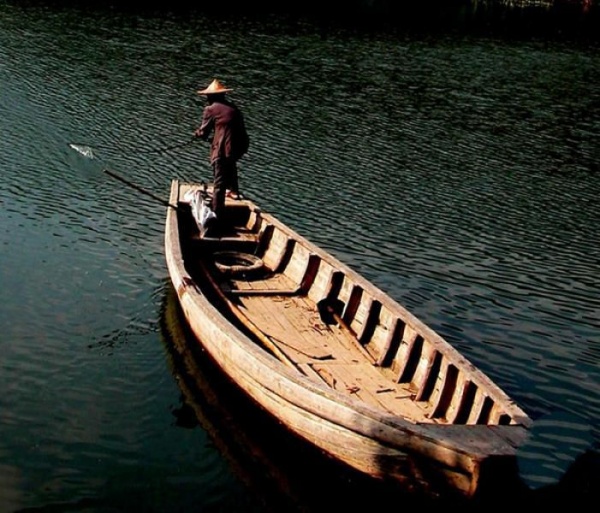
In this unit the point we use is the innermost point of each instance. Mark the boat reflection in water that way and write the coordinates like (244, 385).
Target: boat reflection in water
(282, 472)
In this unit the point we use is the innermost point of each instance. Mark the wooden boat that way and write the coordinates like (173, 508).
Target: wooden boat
(334, 358)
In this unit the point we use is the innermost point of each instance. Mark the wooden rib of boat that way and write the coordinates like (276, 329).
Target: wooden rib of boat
(334, 358)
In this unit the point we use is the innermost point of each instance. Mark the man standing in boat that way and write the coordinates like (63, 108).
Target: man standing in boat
(223, 120)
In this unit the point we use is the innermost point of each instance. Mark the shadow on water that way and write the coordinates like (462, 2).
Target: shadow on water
(284, 473)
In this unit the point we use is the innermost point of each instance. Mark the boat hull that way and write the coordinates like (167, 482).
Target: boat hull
(438, 458)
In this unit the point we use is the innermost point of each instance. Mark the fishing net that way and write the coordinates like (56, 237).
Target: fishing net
(86, 151)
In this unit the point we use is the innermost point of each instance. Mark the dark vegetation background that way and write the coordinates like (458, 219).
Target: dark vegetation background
(572, 19)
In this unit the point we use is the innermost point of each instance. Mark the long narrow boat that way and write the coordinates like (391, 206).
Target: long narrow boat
(334, 358)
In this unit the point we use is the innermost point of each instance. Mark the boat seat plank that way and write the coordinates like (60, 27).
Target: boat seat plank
(273, 282)
(239, 240)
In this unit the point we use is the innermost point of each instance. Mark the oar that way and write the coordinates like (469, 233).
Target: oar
(267, 341)
(87, 152)
(138, 188)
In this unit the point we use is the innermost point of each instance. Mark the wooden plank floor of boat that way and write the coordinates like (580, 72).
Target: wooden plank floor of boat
(322, 351)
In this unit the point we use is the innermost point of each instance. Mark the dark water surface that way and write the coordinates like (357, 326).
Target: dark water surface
(459, 172)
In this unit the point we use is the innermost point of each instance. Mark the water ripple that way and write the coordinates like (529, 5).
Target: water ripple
(458, 174)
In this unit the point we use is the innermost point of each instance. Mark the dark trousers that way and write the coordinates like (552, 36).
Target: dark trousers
(225, 176)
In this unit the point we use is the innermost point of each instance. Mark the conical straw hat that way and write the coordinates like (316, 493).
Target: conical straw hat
(215, 87)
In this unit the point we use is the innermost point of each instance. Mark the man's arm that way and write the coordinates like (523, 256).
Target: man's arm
(206, 127)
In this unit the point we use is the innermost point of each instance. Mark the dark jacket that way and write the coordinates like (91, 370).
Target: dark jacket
(225, 120)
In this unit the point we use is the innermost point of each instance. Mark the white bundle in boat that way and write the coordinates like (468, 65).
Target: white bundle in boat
(201, 210)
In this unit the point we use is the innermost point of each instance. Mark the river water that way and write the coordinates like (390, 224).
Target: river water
(458, 171)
